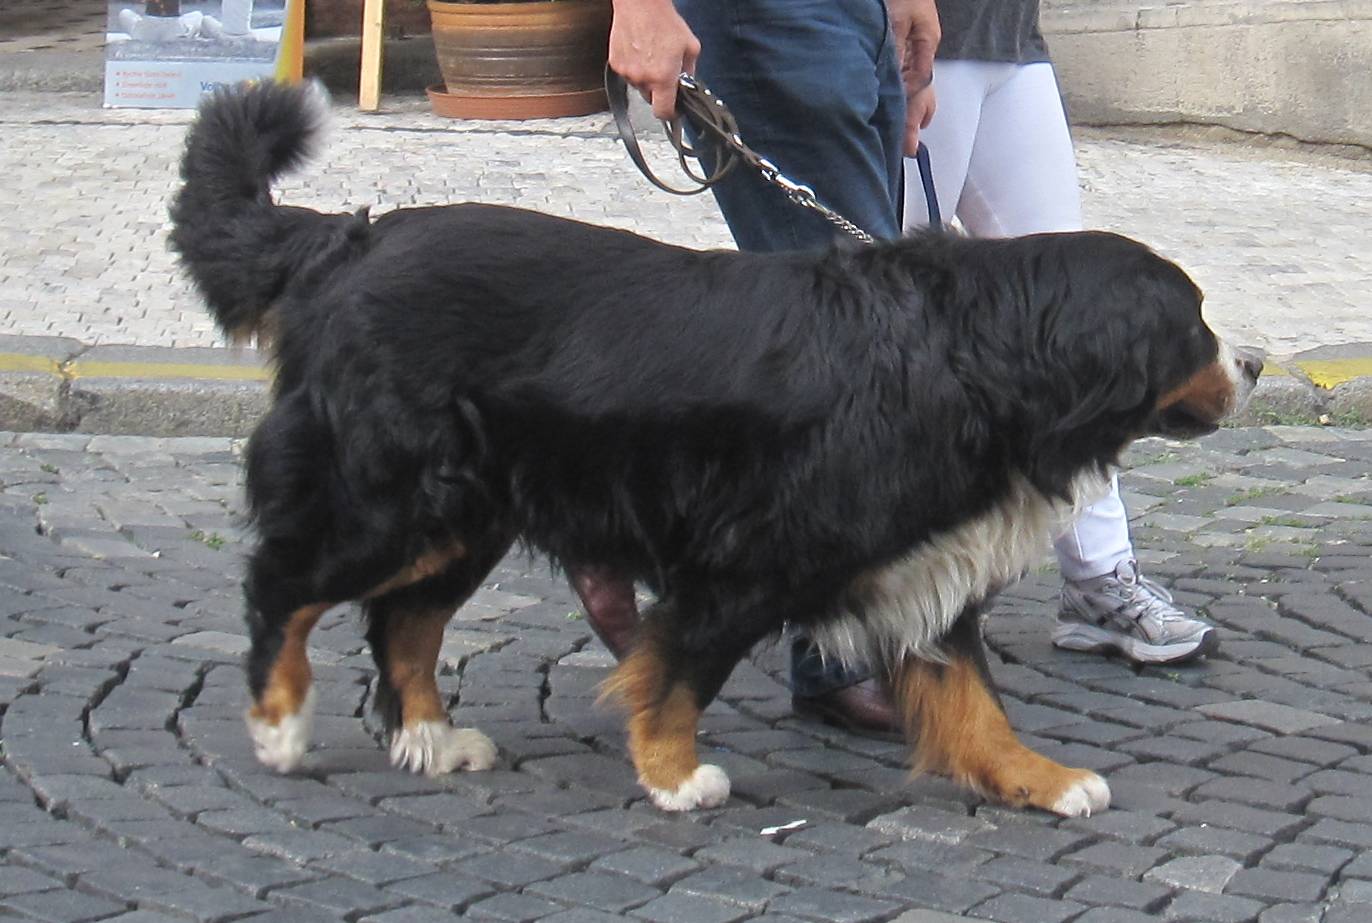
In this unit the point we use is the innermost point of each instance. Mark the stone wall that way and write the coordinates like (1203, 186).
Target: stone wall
(1292, 67)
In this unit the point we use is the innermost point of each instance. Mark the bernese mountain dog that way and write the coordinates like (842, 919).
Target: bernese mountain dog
(863, 443)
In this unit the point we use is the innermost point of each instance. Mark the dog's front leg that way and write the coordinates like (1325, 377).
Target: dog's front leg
(664, 700)
(955, 718)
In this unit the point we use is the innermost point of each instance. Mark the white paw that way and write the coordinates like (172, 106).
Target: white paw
(1084, 797)
(282, 746)
(708, 787)
(436, 747)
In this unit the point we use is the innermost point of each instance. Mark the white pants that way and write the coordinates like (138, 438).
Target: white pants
(1002, 161)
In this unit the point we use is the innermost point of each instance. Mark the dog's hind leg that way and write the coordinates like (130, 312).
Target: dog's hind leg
(955, 717)
(280, 680)
(279, 675)
(406, 632)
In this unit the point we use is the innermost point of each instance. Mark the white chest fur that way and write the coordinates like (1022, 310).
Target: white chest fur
(908, 606)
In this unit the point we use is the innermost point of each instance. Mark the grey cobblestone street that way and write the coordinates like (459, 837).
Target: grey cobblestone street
(129, 792)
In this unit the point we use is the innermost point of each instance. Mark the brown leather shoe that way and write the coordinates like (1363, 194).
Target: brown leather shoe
(863, 708)
(611, 609)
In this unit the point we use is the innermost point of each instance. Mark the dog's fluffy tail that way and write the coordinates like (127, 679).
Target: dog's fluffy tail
(243, 251)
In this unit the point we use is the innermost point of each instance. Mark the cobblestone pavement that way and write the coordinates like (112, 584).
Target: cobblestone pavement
(1278, 240)
(1243, 786)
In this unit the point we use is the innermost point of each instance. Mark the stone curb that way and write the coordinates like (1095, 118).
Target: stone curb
(57, 384)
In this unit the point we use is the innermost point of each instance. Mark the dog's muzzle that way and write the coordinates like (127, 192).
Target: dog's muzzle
(1217, 391)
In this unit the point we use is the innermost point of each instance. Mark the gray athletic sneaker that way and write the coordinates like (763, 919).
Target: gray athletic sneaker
(1131, 615)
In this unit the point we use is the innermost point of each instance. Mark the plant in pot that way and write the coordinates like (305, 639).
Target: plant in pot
(520, 59)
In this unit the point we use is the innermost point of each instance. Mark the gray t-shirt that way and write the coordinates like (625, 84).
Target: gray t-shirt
(991, 30)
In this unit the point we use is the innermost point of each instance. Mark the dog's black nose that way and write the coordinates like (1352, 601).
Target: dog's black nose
(1251, 363)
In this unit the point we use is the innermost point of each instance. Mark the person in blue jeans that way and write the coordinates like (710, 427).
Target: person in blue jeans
(833, 92)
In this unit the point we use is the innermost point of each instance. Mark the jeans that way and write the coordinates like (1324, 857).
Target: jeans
(816, 88)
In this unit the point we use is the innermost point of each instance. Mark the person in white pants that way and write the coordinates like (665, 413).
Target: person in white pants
(1002, 162)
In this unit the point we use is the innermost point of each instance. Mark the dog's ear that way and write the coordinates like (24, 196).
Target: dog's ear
(1102, 350)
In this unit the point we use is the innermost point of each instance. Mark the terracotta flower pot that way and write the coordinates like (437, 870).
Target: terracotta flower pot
(537, 59)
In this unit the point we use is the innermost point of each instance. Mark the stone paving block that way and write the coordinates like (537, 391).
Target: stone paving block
(439, 848)
(735, 886)
(1256, 793)
(847, 805)
(299, 845)
(1239, 817)
(441, 809)
(253, 875)
(601, 891)
(414, 914)
(17, 880)
(1125, 826)
(835, 872)
(1115, 915)
(61, 906)
(683, 908)
(373, 868)
(514, 908)
(1012, 872)
(1267, 884)
(1268, 716)
(831, 837)
(1015, 908)
(571, 849)
(760, 856)
(926, 916)
(928, 824)
(1305, 748)
(930, 855)
(1028, 842)
(1119, 892)
(1119, 858)
(441, 889)
(508, 871)
(203, 904)
(582, 915)
(949, 892)
(832, 906)
(1293, 913)
(1213, 908)
(1242, 847)
(1196, 873)
(377, 830)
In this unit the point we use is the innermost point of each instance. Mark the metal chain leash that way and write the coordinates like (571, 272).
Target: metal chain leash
(715, 124)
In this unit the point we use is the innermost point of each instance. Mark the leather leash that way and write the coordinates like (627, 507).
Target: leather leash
(715, 125)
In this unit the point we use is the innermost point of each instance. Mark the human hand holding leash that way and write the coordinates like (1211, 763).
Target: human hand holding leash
(650, 45)
(915, 26)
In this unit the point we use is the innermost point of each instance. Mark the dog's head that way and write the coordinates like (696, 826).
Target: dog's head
(1114, 348)
(1150, 314)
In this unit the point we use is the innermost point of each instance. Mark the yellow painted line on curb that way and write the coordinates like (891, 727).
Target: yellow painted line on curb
(81, 369)
(1330, 372)
(18, 362)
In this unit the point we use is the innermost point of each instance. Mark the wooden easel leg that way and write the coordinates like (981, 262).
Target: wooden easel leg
(369, 88)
